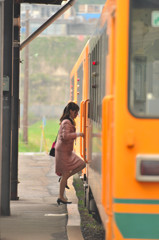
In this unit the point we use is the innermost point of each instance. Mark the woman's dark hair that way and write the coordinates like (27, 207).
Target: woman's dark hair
(66, 112)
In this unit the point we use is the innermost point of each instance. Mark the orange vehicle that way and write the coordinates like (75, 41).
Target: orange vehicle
(116, 83)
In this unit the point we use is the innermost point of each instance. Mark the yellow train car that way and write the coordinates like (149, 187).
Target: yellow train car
(79, 90)
(120, 118)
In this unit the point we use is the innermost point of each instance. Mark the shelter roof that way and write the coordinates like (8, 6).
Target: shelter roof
(55, 2)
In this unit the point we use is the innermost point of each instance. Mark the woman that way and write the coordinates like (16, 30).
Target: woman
(67, 162)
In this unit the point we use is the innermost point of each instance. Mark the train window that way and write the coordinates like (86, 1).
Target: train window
(72, 89)
(79, 84)
(144, 58)
(94, 81)
(97, 77)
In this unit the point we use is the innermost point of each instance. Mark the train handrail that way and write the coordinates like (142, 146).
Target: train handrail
(85, 126)
(81, 125)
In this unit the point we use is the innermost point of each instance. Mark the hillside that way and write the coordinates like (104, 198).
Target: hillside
(50, 62)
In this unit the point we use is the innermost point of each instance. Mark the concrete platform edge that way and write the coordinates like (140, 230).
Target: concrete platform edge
(74, 221)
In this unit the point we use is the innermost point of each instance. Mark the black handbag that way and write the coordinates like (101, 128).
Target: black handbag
(52, 150)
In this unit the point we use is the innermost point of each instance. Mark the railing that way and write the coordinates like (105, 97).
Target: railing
(83, 128)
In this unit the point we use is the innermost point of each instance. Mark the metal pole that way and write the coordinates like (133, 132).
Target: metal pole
(26, 84)
(7, 93)
(1, 86)
(15, 103)
(47, 23)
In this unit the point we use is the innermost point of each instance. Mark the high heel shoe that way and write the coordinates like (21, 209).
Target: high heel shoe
(59, 179)
(66, 185)
(59, 201)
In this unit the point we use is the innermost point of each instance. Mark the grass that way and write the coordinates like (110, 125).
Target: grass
(35, 135)
(91, 229)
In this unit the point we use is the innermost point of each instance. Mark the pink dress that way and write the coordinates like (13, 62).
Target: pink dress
(65, 159)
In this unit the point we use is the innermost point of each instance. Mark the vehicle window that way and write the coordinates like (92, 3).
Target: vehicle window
(144, 58)
(79, 83)
(97, 77)
(72, 89)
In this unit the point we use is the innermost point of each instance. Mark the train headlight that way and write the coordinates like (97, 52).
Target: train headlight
(147, 168)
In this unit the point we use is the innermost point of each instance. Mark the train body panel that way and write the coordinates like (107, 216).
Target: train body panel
(133, 136)
(121, 118)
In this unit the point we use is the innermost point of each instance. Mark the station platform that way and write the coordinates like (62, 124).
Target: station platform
(36, 215)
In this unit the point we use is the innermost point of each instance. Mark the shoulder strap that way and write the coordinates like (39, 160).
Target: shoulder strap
(56, 136)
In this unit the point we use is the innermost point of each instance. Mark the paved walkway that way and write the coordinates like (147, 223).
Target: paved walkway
(36, 215)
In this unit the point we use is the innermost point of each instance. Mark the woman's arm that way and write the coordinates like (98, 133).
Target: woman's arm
(66, 131)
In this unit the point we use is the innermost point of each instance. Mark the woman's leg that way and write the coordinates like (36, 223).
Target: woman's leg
(63, 184)
(78, 169)
(64, 178)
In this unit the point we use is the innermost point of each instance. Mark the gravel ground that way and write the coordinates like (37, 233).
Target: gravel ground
(91, 229)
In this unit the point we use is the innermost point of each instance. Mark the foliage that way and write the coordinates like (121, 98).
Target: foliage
(35, 134)
(91, 229)
(52, 52)
(50, 62)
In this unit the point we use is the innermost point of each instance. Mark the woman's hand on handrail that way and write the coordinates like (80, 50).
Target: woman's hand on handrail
(80, 134)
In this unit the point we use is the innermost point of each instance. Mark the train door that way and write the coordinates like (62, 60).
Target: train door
(108, 127)
(79, 94)
(84, 117)
(84, 127)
